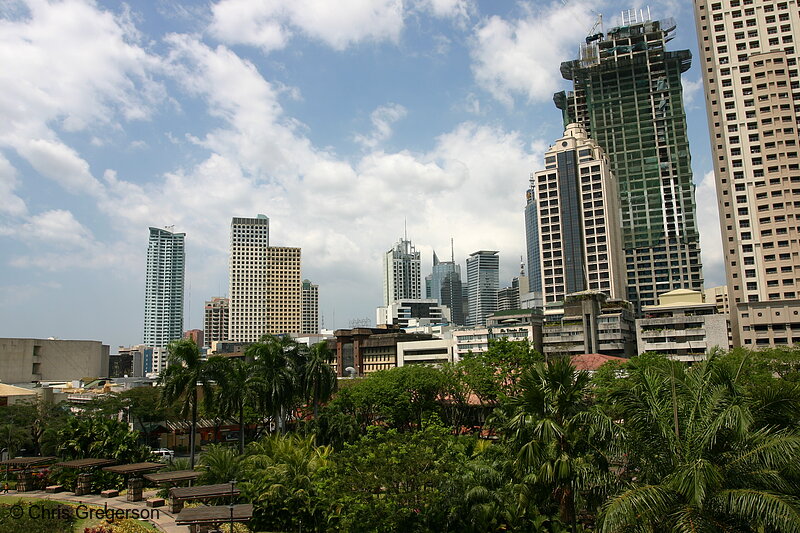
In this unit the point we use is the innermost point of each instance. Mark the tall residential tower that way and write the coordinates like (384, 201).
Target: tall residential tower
(163, 293)
(627, 94)
(401, 273)
(580, 241)
(750, 55)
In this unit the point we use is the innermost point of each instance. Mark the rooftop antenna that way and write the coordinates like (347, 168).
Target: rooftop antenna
(405, 229)
(452, 253)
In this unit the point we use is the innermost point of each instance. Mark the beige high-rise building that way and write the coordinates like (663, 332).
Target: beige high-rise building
(216, 319)
(750, 76)
(580, 240)
(719, 297)
(265, 286)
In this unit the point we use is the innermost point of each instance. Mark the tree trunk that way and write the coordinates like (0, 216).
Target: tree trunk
(241, 428)
(194, 426)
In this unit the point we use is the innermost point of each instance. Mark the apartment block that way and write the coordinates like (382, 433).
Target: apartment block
(216, 321)
(310, 319)
(749, 60)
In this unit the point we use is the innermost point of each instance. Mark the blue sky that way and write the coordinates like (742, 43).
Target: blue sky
(339, 120)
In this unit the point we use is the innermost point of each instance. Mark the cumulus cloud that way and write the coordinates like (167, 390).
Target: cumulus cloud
(11, 204)
(60, 163)
(517, 57)
(382, 120)
(270, 24)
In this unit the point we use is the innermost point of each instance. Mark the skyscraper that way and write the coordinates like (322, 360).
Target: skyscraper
(444, 286)
(265, 286)
(216, 320)
(310, 323)
(532, 241)
(163, 293)
(750, 76)
(579, 220)
(628, 96)
(401, 273)
(483, 282)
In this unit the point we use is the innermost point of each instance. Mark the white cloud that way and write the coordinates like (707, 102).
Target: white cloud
(692, 93)
(521, 57)
(712, 252)
(11, 204)
(382, 120)
(71, 64)
(61, 164)
(458, 10)
(270, 24)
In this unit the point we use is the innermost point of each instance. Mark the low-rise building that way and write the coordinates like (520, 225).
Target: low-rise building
(361, 351)
(589, 322)
(477, 339)
(399, 313)
(35, 360)
(430, 352)
(682, 326)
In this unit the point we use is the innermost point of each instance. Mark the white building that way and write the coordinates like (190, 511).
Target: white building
(430, 352)
(310, 323)
(477, 339)
(682, 326)
(401, 273)
(401, 312)
(163, 293)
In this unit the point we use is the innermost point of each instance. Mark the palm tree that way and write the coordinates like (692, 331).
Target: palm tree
(698, 461)
(185, 371)
(275, 364)
(318, 377)
(238, 387)
(220, 464)
(556, 434)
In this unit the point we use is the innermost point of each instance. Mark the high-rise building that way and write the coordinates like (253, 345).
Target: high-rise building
(216, 320)
(310, 323)
(483, 282)
(532, 242)
(627, 94)
(163, 293)
(578, 219)
(265, 287)
(750, 56)
(444, 286)
(401, 273)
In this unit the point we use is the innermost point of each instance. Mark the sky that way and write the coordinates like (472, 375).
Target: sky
(344, 122)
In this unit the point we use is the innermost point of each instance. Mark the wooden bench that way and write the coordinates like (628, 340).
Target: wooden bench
(54, 488)
(110, 493)
(156, 502)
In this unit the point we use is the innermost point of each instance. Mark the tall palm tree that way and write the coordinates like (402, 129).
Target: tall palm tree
(556, 434)
(238, 388)
(185, 371)
(318, 377)
(698, 461)
(275, 364)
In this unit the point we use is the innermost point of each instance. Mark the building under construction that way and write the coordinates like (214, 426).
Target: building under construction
(627, 94)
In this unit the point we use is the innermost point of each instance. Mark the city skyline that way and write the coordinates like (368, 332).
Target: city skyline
(338, 129)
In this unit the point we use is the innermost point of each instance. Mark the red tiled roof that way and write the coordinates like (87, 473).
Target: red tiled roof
(593, 361)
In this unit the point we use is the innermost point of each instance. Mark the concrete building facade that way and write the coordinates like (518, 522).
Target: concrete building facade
(590, 322)
(682, 326)
(580, 237)
(750, 68)
(35, 360)
(627, 94)
(163, 292)
(444, 285)
(402, 312)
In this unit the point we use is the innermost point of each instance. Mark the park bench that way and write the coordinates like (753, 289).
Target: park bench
(156, 502)
(110, 493)
(54, 488)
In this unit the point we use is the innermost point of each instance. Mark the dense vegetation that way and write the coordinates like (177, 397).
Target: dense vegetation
(500, 441)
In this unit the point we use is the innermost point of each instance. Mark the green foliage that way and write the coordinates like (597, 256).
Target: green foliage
(495, 374)
(219, 463)
(38, 516)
